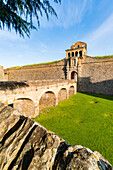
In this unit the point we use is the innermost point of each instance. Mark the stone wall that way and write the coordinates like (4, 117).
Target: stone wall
(37, 72)
(25, 144)
(62, 95)
(96, 75)
(3, 77)
(25, 106)
(32, 96)
(47, 99)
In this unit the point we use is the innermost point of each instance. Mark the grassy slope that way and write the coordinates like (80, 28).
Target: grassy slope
(103, 56)
(79, 120)
(18, 67)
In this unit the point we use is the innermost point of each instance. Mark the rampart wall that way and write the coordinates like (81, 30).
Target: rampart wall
(37, 72)
(96, 75)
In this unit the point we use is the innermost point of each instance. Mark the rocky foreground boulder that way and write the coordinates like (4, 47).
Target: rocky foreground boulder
(25, 144)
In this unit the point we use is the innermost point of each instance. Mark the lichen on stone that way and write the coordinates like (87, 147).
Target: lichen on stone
(25, 144)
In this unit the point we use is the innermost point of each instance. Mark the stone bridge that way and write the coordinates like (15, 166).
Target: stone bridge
(33, 96)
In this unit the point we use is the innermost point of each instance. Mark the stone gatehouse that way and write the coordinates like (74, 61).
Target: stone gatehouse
(94, 75)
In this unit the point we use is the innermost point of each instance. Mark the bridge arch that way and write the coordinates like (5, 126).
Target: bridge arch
(47, 99)
(26, 106)
(71, 90)
(62, 95)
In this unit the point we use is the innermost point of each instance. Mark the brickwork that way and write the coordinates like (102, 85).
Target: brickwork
(40, 72)
(71, 91)
(96, 75)
(48, 99)
(62, 95)
(30, 97)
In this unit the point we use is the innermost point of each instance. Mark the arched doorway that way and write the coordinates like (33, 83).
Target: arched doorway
(62, 95)
(47, 99)
(71, 91)
(25, 106)
(73, 75)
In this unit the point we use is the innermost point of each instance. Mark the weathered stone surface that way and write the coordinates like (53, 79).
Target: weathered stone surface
(29, 98)
(25, 144)
(37, 72)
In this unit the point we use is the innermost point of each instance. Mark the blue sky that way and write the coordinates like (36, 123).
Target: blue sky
(90, 21)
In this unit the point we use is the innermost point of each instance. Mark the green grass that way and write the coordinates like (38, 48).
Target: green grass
(19, 67)
(83, 119)
(103, 56)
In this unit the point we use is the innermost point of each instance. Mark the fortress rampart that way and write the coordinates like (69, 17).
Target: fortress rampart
(94, 75)
(37, 72)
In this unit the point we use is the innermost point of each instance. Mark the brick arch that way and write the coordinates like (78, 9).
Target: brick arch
(26, 106)
(71, 90)
(47, 99)
(62, 95)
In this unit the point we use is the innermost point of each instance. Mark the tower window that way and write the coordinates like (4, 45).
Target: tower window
(76, 53)
(83, 45)
(78, 46)
(80, 54)
(72, 54)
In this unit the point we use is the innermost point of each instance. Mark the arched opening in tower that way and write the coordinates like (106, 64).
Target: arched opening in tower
(78, 46)
(72, 54)
(76, 53)
(80, 54)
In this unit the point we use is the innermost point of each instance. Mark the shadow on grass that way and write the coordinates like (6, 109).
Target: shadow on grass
(99, 96)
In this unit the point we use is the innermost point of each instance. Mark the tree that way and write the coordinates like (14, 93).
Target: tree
(19, 14)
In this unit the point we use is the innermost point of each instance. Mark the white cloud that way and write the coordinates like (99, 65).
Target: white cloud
(105, 29)
(69, 13)
(9, 35)
(101, 40)
(43, 48)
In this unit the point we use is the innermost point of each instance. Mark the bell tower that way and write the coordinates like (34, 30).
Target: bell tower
(78, 51)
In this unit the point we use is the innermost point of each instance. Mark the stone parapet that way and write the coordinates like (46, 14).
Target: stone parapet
(30, 97)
